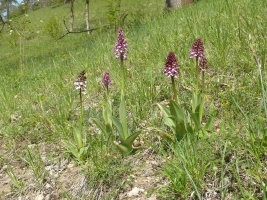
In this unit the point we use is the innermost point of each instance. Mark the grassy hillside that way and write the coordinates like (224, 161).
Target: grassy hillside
(40, 105)
(33, 30)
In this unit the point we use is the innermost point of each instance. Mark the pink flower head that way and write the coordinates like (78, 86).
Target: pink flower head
(197, 49)
(171, 68)
(106, 80)
(121, 46)
(81, 82)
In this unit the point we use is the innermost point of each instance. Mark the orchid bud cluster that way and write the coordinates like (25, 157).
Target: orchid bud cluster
(203, 65)
(106, 80)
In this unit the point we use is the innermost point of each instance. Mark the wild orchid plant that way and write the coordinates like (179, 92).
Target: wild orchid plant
(189, 120)
(125, 146)
(80, 149)
(198, 99)
(106, 128)
(197, 51)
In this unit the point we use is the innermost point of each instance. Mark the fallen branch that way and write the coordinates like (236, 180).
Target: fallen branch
(82, 31)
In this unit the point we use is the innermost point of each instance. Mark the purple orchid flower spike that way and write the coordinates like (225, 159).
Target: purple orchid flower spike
(106, 80)
(121, 46)
(203, 65)
(197, 49)
(81, 82)
(171, 68)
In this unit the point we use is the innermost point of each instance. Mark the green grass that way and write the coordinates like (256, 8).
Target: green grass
(39, 102)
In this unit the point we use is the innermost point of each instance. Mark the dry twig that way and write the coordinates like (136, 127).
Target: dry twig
(82, 31)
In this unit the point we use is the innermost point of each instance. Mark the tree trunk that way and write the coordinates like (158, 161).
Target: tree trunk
(7, 13)
(87, 15)
(8, 9)
(174, 4)
(71, 14)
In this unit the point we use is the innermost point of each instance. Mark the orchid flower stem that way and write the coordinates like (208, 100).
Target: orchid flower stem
(174, 90)
(106, 94)
(122, 75)
(197, 76)
(81, 104)
(203, 82)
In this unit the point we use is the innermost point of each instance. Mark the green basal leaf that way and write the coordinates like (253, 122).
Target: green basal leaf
(180, 130)
(189, 129)
(167, 136)
(71, 148)
(197, 107)
(78, 137)
(195, 117)
(129, 141)
(109, 128)
(123, 149)
(194, 101)
(119, 128)
(209, 124)
(123, 117)
(177, 111)
(166, 113)
(83, 153)
(107, 113)
(201, 107)
(101, 126)
(126, 146)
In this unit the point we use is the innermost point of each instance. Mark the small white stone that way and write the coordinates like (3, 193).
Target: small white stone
(48, 197)
(154, 163)
(135, 191)
(31, 146)
(47, 186)
(49, 167)
(71, 165)
(39, 197)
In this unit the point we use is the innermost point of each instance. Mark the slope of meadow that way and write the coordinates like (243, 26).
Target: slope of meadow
(40, 107)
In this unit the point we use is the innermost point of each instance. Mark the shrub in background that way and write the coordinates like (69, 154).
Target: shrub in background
(52, 27)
